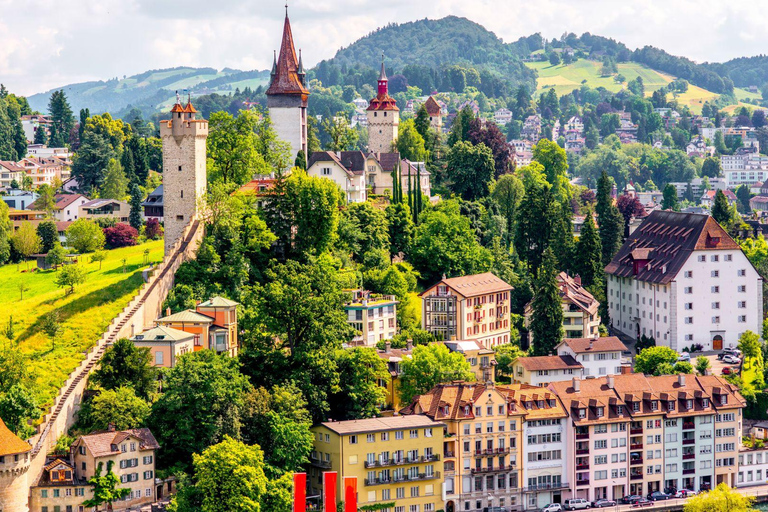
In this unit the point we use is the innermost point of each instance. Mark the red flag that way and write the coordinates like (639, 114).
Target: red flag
(329, 491)
(299, 492)
(350, 494)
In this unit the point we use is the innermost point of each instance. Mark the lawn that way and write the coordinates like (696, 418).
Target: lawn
(84, 314)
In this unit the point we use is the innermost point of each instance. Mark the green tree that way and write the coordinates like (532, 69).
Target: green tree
(508, 193)
(721, 211)
(422, 122)
(232, 148)
(361, 396)
(41, 137)
(535, 217)
(506, 355)
(204, 390)
(120, 407)
(56, 256)
(460, 126)
(401, 228)
(702, 365)
(554, 59)
(589, 253)
(555, 162)
(669, 202)
(722, 499)
(70, 276)
(17, 405)
(114, 131)
(428, 366)
(51, 325)
(47, 199)
(547, 315)
(89, 166)
(84, 235)
(6, 230)
(750, 346)
(470, 169)
(25, 241)
(126, 365)
(711, 167)
(230, 476)
(105, 489)
(115, 184)
(48, 234)
(62, 120)
(134, 218)
(410, 142)
(445, 243)
(651, 360)
(370, 229)
(743, 195)
(98, 257)
(342, 137)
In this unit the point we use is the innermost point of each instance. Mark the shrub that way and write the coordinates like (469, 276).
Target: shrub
(153, 230)
(122, 235)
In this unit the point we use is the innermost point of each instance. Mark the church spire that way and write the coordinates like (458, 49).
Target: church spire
(383, 74)
(383, 87)
(285, 78)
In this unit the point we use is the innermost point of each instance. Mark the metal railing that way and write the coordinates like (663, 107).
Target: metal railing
(399, 462)
(402, 478)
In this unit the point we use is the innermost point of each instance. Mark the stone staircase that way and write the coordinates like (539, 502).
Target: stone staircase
(163, 274)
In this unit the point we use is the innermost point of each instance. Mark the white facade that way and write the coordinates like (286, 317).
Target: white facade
(753, 468)
(717, 293)
(544, 377)
(290, 124)
(544, 455)
(70, 212)
(351, 184)
(596, 364)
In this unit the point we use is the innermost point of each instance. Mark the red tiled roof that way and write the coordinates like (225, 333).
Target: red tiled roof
(10, 443)
(549, 363)
(383, 102)
(604, 344)
(475, 284)
(286, 78)
(432, 107)
(100, 443)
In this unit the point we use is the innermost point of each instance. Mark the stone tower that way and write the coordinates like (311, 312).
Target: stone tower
(383, 117)
(287, 94)
(184, 170)
(14, 471)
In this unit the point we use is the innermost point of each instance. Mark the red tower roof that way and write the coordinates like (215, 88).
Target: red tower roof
(383, 101)
(285, 76)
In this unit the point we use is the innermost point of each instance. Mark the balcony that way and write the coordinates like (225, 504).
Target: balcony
(582, 452)
(580, 483)
(449, 455)
(636, 446)
(688, 425)
(492, 451)
(546, 487)
(582, 436)
(493, 469)
(635, 431)
(400, 462)
(689, 456)
(689, 471)
(403, 478)
(635, 461)
(689, 441)
(321, 463)
(582, 467)
(636, 477)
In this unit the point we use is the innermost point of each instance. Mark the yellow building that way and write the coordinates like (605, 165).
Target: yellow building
(395, 459)
(481, 360)
(393, 357)
(373, 316)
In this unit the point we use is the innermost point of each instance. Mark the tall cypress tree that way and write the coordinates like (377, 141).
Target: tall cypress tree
(610, 220)
(547, 316)
(589, 253)
(721, 212)
(134, 218)
(62, 120)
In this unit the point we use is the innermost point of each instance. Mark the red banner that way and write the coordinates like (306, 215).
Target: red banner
(299, 492)
(350, 494)
(330, 478)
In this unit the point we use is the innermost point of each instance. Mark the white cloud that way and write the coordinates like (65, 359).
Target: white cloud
(48, 43)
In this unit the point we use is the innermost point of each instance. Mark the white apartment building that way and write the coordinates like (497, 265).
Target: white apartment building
(345, 168)
(544, 451)
(681, 279)
(598, 356)
(744, 168)
(753, 467)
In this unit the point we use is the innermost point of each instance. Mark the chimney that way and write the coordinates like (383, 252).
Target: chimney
(111, 427)
(626, 369)
(167, 311)
(681, 379)
(577, 279)
(387, 346)
(609, 381)
(409, 345)
(576, 385)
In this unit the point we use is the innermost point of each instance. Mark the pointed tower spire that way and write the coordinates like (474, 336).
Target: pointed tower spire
(285, 78)
(274, 63)
(383, 74)
(383, 87)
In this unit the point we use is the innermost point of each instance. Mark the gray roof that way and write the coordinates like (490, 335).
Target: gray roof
(162, 333)
(381, 424)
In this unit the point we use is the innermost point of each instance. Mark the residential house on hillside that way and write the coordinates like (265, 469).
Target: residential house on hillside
(18, 199)
(580, 316)
(67, 207)
(105, 209)
(373, 316)
(393, 357)
(345, 168)
(213, 324)
(153, 204)
(474, 307)
(598, 356)
(19, 217)
(10, 172)
(60, 486)
(481, 360)
(165, 344)
(502, 117)
(708, 198)
(681, 279)
(133, 454)
(541, 370)
(531, 129)
(31, 123)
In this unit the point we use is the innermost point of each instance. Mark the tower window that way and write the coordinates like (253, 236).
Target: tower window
(182, 194)
(179, 217)
(179, 167)
(385, 114)
(375, 114)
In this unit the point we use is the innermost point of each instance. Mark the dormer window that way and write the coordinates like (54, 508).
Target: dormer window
(466, 410)
(654, 405)
(600, 411)
(446, 410)
(552, 403)
(671, 405)
(540, 404)
(582, 413)
(704, 402)
(620, 410)
(689, 403)
(723, 399)
(636, 406)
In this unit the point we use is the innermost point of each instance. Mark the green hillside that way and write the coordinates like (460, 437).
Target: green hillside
(151, 90)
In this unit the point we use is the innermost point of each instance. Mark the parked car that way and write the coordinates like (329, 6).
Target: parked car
(628, 500)
(643, 502)
(552, 507)
(658, 496)
(576, 504)
(684, 493)
(684, 356)
(729, 351)
(731, 359)
(603, 503)
(494, 509)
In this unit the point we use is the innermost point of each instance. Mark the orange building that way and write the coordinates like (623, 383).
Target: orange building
(213, 322)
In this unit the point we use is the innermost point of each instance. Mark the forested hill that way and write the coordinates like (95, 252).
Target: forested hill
(744, 71)
(434, 55)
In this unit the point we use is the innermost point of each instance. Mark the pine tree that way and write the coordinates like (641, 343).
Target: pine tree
(134, 219)
(669, 202)
(721, 212)
(609, 218)
(40, 136)
(301, 160)
(62, 120)
(129, 164)
(547, 316)
(589, 253)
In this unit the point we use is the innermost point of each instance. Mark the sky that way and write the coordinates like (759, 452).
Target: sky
(51, 43)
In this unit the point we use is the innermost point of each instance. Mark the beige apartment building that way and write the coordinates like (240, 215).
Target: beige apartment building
(132, 454)
(59, 489)
(373, 316)
(474, 307)
(395, 459)
(165, 344)
(482, 361)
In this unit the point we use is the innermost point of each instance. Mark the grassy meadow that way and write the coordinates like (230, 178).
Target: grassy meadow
(84, 314)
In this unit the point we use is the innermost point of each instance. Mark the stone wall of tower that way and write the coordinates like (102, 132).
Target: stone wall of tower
(288, 115)
(382, 129)
(14, 483)
(184, 173)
